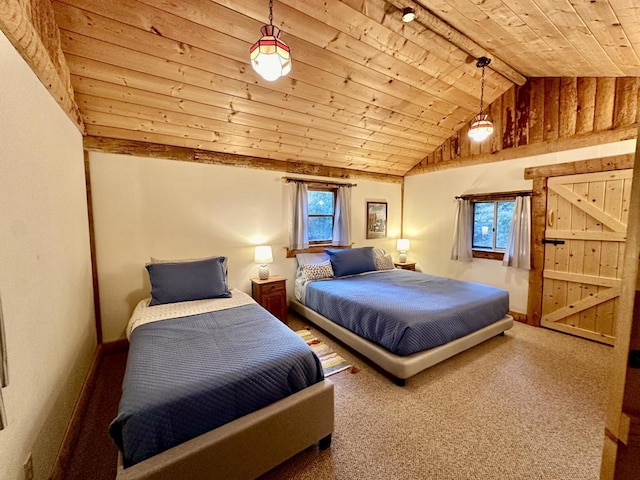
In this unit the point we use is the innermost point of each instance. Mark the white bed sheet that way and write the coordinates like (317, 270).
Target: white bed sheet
(143, 313)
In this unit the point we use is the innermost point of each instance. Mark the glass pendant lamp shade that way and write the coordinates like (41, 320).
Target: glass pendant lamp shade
(270, 56)
(481, 127)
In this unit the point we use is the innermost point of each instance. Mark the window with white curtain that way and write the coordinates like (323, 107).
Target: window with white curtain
(320, 214)
(485, 227)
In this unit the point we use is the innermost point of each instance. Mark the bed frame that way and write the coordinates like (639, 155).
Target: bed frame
(402, 367)
(249, 446)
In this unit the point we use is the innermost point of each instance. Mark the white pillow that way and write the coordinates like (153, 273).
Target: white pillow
(305, 258)
(317, 271)
(385, 262)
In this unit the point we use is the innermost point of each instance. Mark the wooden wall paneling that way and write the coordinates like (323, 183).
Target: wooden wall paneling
(523, 108)
(495, 141)
(464, 141)
(536, 113)
(605, 103)
(626, 101)
(551, 108)
(568, 107)
(446, 150)
(586, 104)
(538, 224)
(509, 118)
(599, 138)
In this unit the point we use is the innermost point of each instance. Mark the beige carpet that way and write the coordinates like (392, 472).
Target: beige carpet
(529, 405)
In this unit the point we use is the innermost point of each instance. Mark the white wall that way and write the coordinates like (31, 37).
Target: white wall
(45, 268)
(430, 210)
(147, 207)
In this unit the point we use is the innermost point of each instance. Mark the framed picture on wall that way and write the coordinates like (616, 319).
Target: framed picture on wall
(376, 219)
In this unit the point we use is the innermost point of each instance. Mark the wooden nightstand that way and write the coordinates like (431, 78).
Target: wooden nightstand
(272, 295)
(405, 265)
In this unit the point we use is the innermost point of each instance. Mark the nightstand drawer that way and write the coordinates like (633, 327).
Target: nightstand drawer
(272, 287)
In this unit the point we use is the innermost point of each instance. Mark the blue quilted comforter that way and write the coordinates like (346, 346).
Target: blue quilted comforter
(405, 311)
(189, 375)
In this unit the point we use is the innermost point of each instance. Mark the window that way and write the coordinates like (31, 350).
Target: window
(322, 204)
(492, 214)
(491, 223)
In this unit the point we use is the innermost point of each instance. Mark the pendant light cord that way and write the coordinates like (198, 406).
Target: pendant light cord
(482, 92)
(270, 12)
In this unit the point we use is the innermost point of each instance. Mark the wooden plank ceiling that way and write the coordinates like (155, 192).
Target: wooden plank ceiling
(366, 91)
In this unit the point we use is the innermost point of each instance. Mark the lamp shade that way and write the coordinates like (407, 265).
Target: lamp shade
(403, 245)
(270, 56)
(263, 255)
(480, 128)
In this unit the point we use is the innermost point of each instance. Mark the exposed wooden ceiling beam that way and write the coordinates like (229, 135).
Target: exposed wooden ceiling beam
(30, 26)
(457, 38)
(156, 150)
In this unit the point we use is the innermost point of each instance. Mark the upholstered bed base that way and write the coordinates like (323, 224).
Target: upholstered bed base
(249, 446)
(402, 367)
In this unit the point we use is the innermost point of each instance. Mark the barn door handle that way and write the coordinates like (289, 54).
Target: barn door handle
(552, 218)
(552, 241)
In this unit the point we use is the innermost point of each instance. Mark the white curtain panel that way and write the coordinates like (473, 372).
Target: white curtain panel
(299, 205)
(4, 370)
(518, 254)
(342, 220)
(462, 232)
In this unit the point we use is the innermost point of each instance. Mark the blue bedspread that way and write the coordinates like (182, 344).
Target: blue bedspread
(189, 375)
(406, 311)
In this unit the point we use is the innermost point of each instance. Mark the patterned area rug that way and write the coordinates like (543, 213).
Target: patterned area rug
(331, 361)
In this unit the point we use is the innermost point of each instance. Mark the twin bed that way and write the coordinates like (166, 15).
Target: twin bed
(217, 387)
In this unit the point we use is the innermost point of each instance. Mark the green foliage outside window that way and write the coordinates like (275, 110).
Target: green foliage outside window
(491, 224)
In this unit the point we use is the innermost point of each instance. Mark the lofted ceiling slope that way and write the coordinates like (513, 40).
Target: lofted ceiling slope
(366, 91)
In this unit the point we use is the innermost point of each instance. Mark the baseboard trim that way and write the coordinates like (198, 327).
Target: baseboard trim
(121, 345)
(518, 317)
(61, 465)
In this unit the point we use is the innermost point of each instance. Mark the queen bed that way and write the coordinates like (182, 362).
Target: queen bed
(215, 386)
(403, 321)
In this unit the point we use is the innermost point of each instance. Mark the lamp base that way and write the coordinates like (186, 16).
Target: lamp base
(263, 272)
(403, 257)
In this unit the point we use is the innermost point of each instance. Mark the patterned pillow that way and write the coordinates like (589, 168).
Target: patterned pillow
(318, 271)
(385, 262)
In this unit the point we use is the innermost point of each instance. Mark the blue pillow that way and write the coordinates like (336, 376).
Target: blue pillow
(185, 281)
(352, 260)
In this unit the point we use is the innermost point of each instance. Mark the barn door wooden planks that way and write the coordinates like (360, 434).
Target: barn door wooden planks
(586, 224)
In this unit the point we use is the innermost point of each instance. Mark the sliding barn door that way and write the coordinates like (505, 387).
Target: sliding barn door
(584, 249)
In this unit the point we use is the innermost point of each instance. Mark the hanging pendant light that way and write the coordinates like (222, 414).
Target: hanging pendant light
(270, 56)
(482, 126)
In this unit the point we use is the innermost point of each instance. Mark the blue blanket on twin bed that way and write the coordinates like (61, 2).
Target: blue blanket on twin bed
(405, 311)
(189, 375)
